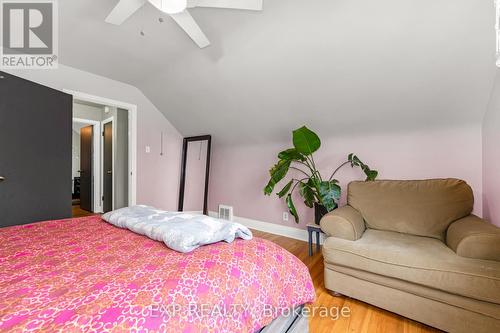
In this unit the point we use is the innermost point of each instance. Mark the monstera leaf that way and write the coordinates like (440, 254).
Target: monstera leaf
(355, 161)
(305, 141)
(330, 194)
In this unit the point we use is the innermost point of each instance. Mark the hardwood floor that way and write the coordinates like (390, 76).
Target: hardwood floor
(78, 212)
(363, 318)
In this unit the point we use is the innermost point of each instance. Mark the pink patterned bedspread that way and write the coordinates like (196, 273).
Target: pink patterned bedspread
(86, 275)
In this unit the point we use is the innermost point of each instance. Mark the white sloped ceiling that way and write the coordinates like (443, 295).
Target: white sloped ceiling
(338, 65)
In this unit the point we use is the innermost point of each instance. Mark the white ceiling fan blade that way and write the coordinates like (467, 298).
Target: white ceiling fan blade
(123, 10)
(189, 25)
(231, 4)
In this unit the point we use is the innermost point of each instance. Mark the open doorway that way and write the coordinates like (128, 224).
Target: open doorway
(85, 144)
(101, 161)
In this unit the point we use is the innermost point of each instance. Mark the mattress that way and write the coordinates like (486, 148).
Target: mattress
(87, 275)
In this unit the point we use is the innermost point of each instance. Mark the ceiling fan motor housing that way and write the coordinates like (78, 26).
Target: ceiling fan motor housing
(170, 6)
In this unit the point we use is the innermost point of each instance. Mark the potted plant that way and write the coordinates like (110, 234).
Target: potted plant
(321, 193)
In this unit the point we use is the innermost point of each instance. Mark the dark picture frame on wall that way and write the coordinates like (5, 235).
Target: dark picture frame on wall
(182, 188)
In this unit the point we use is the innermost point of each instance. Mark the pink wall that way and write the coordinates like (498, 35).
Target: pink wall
(158, 175)
(491, 157)
(239, 173)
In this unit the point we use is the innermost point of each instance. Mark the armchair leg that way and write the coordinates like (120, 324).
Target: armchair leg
(310, 243)
(318, 247)
(335, 294)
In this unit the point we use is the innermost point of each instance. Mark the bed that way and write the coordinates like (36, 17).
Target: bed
(87, 275)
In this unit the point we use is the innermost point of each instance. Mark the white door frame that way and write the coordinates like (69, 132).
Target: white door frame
(96, 162)
(132, 135)
(113, 140)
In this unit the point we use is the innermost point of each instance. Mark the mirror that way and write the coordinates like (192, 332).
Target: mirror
(193, 193)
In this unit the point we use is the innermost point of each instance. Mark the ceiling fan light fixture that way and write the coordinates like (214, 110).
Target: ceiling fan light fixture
(173, 6)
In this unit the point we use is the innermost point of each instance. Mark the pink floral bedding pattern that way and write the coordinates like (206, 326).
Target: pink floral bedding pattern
(85, 275)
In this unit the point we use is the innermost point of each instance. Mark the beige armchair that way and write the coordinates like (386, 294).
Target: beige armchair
(413, 248)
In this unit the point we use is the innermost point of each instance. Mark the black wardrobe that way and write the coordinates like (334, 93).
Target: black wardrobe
(35, 152)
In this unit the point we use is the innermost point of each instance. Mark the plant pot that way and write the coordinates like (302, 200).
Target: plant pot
(319, 212)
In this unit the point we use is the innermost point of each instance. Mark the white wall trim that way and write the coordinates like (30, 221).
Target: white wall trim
(132, 143)
(273, 228)
(96, 162)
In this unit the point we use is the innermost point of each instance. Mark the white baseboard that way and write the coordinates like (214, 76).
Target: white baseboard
(193, 212)
(272, 228)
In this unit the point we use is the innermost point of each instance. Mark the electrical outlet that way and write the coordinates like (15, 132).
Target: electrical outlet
(285, 216)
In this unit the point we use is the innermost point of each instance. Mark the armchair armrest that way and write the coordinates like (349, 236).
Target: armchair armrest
(472, 237)
(344, 222)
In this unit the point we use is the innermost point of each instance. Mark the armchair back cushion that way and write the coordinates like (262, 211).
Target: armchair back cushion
(416, 207)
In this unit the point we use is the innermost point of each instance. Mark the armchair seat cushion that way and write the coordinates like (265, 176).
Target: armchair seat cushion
(421, 260)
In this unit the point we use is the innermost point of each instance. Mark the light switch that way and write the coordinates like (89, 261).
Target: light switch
(148, 149)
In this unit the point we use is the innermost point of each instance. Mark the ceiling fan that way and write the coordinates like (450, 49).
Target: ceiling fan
(177, 9)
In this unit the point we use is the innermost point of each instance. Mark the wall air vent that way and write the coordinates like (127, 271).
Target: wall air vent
(225, 212)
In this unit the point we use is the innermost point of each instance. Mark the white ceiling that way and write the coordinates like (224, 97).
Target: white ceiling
(340, 66)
